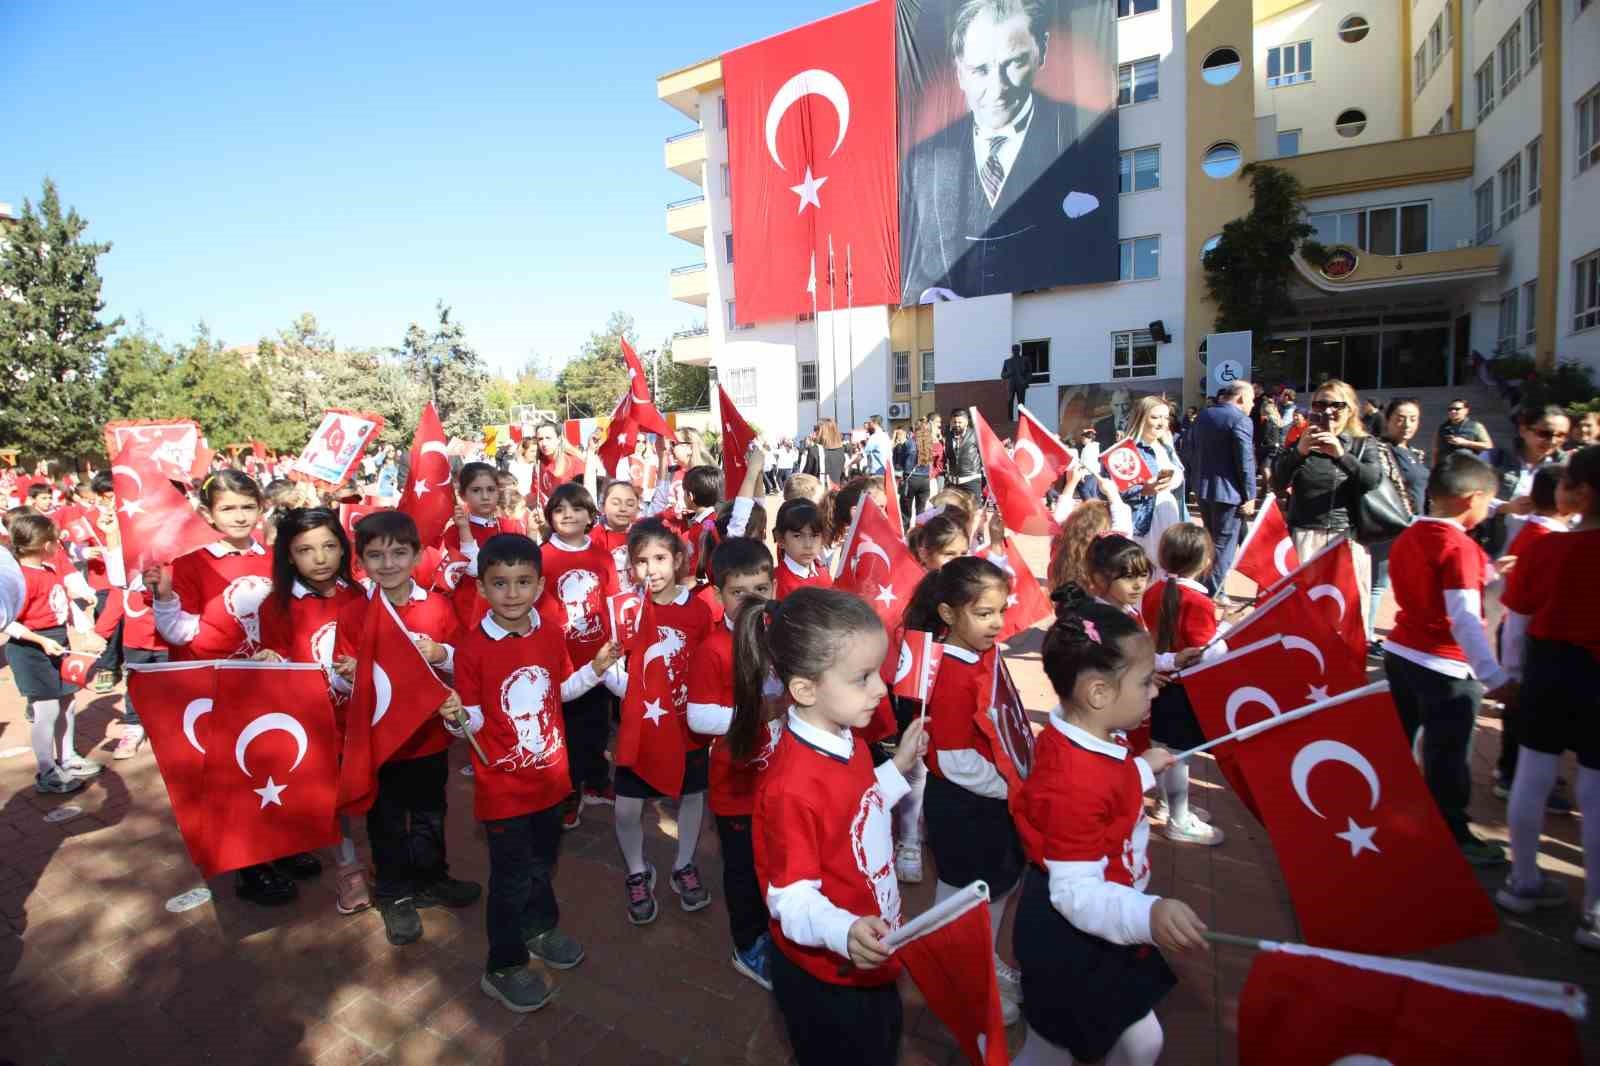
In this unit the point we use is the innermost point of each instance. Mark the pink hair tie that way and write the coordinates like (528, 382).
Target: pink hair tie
(1090, 631)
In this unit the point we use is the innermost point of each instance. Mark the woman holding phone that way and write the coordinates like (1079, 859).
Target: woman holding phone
(1158, 503)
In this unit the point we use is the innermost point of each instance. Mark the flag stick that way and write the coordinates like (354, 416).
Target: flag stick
(833, 334)
(850, 331)
(461, 720)
(1284, 719)
(1253, 943)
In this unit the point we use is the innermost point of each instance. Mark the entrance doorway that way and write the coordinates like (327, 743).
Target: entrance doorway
(1391, 349)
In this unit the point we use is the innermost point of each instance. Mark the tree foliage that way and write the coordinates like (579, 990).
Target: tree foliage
(1249, 271)
(590, 385)
(452, 370)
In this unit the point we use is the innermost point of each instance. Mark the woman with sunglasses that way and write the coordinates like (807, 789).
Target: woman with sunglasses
(1325, 474)
(1541, 438)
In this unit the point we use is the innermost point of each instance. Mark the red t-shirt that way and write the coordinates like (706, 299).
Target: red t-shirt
(424, 615)
(1429, 558)
(132, 609)
(44, 599)
(515, 682)
(1557, 584)
(1197, 614)
(616, 545)
(304, 631)
(576, 584)
(225, 591)
(553, 473)
(452, 579)
(690, 618)
(733, 783)
(961, 689)
(1532, 530)
(1083, 803)
(789, 577)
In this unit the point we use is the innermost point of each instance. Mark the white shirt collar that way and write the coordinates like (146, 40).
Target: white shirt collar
(678, 600)
(968, 657)
(1441, 521)
(301, 590)
(479, 520)
(1116, 606)
(221, 549)
(561, 545)
(1085, 739)
(495, 631)
(797, 570)
(1549, 522)
(839, 745)
(1018, 126)
(1191, 583)
(418, 593)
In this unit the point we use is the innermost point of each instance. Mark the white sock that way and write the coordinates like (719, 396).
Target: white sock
(1589, 804)
(629, 819)
(908, 812)
(69, 735)
(691, 815)
(1175, 787)
(1530, 788)
(1037, 1051)
(997, 914)
(1139, 1044)
(43, 733)
(345, 853)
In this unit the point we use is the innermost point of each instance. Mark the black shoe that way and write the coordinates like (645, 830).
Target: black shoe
(299, 867)
(401, 922)
(264, 886)
(448, 892)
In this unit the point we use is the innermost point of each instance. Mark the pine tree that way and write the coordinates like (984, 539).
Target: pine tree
(52, 340)
(454, 372)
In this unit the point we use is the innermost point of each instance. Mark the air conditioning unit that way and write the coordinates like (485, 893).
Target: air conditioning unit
(899, 411)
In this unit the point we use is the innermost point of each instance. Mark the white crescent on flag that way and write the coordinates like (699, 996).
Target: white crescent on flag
(811, 82)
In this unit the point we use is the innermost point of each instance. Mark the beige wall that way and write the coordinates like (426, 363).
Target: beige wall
(1365, 75)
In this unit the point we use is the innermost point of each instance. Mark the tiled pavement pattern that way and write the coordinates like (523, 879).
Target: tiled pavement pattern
(94, 968)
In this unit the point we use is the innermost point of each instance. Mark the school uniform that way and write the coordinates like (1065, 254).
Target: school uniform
(1535, 527)
(45, 610)
(217, 592)
(970, 831)
(1172, 720)
(691, 619)
(1082, 933)
(1550, 597)
(456, 577)
(305, 630)
(791, 575)
(129, 612)
(1511, 726)
(824, 852)
(577, 581)
(615, 543)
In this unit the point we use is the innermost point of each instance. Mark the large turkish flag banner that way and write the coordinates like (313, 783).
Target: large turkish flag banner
(811, 148)
(1368, 860)
(173, 699)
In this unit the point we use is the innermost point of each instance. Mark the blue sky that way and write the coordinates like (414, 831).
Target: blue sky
(362, 161)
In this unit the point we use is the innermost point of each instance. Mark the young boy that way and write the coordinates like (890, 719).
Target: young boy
(742, 569)
(1439, 658)
(512, 674)
(406, 823)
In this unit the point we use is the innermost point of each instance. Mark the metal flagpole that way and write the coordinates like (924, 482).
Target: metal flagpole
(833, 335)
(816, 325)
(850, 335)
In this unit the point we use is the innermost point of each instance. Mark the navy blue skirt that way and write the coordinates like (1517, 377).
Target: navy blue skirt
(972, 837)
(38, 676)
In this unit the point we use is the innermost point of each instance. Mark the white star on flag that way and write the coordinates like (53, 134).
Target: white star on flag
(1359, 838)
(131, 508)
(270, 793)
(885, 595)
(654, 712)
(807, 191)
(420, 487)
(1011, 601)
(622, 438)
(1318, 693)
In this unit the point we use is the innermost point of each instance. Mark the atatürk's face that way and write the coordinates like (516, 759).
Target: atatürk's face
(996, 67)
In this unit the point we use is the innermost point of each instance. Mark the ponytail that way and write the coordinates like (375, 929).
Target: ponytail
(752, 665)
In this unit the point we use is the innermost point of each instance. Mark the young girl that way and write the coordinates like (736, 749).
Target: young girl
(477, 519)
(619, 509)
(38, 643)
(579, 574)
(823, 848)
(513, 504)
(939, 538)
(311, 582)
(1084, 922)
(1182, 615)
(970, 831)
(682, 622)
(800, 532)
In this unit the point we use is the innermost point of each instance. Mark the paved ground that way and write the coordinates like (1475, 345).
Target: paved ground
(93, 965)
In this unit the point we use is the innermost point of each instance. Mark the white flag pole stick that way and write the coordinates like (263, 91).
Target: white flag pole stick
(1245, 732)
(939, 915)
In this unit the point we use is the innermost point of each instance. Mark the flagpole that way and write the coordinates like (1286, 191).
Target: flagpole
(850, 331)
(833, 335)
(1245, 732)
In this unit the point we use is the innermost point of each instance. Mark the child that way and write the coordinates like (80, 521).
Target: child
(1084, 923)
(128, 621)
(1183, 616)
(970, 831)
(702, 490)
(311, 583)
(405, 826)
(579, 575)
(800, 531)
(823, 848)
(38, 643)
(513, 504)
(743, 576)
(682, 623)
(476, 520)
(940, 538)
(513, 673)
(619, 509)
(734, 518)
(1550, 641)
(1439, 651)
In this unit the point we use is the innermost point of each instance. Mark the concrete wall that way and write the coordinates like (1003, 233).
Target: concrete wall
(1580, 193)
(1365, 75)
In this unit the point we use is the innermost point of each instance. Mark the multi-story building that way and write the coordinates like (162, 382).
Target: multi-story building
(1450, 146)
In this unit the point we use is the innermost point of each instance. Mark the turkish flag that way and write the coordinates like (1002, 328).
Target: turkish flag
(80, 530)
(1021, 507)
(1305, 628)
(173, 698)
(622, 434)
(173, 446)
(1126, 465)
(891, 492)
(1329, 578)
(916, 665)
(875, 564)
(737, 436)
(1011, 738)
(811, 147)
(156, 523)
(644, 408)
(271, 764)
(430, 494)
(1040, 456)
(352, 513)
(1366, 855)
(1027, 603)
(949, 953)
(653, 736)
(1303, 1005)
(1267, 555)
(623, 609)
(395, 693)
(77, 667)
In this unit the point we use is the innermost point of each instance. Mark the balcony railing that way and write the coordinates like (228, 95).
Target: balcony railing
(688, 268)
(689, 334)
(685, 135)
(687, 201)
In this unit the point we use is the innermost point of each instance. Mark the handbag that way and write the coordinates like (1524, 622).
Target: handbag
(1384, 511)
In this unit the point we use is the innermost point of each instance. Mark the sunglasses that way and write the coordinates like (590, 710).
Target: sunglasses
(1329, 405)
(1457, 410)
(1549, 434)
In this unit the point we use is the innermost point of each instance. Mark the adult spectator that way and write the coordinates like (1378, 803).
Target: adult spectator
(1223, 472)
(1460, 432)
(559, 462)
(1159, 502)
(1408, 468)
(1014, 372)
(833, 456)
(1541, 438)
(1585, 429)
(1271, 422)
(919, 467)
(1372, 418)
(962, 464)
(785, 455)
(1325, 475)
(936, 457)
(879, 450)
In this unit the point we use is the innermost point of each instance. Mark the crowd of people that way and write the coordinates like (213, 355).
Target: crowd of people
(776, 677)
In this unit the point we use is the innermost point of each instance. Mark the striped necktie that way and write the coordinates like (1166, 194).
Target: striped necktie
(994, 174)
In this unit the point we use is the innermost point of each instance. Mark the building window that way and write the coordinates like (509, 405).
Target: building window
(927, 371)
(1509, 323)
(1419, 70)
(1036, 357)
(1289, 64)
(1141, 259)
(1530, 313)
(1509, 52)
(1353, 29)
(727, 181)
(1483, 82)
(1484, 203)
(740, 385)
(1396, 229)
(1586, 292)
(1511, 190)
(1133, 354)
(1221, 159)
(1125, 8)
(1532, 167)
(722, 111)
(1211, 244)
(808, 381)
(1139, 169)
(727, 244)
(1435, 44)
(1138, 81)
(902, 373)
(1589, 131)
(734, 325)
(1220, 67)
(1288, 143)
(1534, 28)
(1350, 123)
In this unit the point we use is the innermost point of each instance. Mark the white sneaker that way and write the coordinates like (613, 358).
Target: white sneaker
(56, 780)
(1009, 979)
(1587, 935)
(1010, 1013)
(1161, 814)
(908, 863)
(77, 766)
(1193, 831)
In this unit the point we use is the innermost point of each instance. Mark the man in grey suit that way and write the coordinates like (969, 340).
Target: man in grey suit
(993, 203)
(1222, 469)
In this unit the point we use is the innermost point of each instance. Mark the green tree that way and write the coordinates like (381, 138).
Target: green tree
(681, 386)
(52, 339)
(533, 385)
(310, 373)
(450, 369)
(139, 379)
(221, 390)
(1249, 271)
(591, 384)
